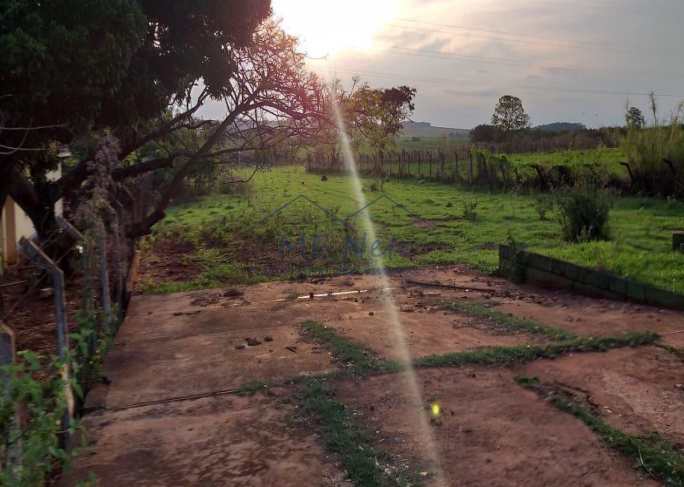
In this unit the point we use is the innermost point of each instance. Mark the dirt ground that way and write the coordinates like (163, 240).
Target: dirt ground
(638, 391)
(170, 415)
(490, 431)
(30, 313)
(212, 441)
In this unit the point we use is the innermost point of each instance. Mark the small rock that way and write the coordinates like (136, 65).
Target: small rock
(370, 313)
(268, 339)
(407, 309)
(241, 347)
(253, 342)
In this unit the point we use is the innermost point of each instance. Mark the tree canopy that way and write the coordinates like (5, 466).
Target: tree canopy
(509, 114)
(634, 118)
(378, 114)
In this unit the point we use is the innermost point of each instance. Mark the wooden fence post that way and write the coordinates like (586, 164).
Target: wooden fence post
(457, 176)
(39, 258)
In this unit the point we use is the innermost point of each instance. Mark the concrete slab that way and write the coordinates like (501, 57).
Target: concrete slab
(202, 364)
(219, 441)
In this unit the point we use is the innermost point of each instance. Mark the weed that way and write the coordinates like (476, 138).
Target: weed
(356, 358)
(510, 322)
(505, 356)
(470, 210)
(653, 454)
(543, 206)
(44, 404)
(252, 388)
(345, 437)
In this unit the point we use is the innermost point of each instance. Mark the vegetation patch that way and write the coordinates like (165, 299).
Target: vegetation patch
(252, 388)
(357, 359)
(342, 435)
(653, 454)
(508, 321)
(506, 356)
(584, 216)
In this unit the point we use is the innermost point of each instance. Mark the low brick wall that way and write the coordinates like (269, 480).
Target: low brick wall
(547, 271)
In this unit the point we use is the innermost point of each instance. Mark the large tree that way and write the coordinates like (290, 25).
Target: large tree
(139, 70)
(634, 118)
(378, 115)
(509, 114)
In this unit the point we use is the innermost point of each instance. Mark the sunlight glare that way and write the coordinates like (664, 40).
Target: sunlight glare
(325, 27)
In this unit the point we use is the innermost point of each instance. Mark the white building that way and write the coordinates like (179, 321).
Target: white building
(15, 224)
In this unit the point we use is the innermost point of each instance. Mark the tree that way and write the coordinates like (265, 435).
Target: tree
(378, 114)
(635, 118)
(75, 70)
(509, 114)
(271, 98)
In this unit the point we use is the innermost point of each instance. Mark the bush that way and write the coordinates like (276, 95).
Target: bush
(470, 210)
(584, 216)
(543, 205)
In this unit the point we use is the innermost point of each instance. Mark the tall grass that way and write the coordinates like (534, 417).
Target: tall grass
(655, 155)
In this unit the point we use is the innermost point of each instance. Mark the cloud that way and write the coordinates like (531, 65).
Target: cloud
(568, 61)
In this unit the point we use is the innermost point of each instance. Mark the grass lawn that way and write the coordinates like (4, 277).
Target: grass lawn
(271, 231)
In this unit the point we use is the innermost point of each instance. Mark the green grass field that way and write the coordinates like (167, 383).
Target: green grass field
(244, 238)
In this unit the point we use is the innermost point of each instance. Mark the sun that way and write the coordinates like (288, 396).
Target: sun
(326, 27)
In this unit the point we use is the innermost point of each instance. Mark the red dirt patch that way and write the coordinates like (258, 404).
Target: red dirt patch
(639, 391)
(491, 431)
(168, 260)
(427, 332)
(31, 316)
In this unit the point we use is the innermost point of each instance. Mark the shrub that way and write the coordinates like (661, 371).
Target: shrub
(584, 216)
(543, 205)
(470, 210)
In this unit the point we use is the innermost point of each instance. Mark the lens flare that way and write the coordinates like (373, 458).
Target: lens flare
(377, 262)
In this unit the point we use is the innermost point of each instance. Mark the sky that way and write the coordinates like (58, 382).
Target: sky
(568, 60)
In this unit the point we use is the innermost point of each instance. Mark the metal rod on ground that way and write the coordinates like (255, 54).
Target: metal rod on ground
(449, 286)
(39, 258)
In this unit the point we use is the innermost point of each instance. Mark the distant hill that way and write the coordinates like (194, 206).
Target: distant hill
(427, 130)
(561, 127)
